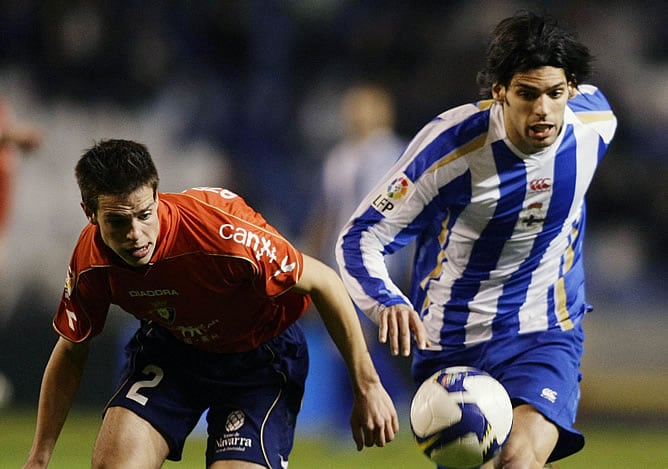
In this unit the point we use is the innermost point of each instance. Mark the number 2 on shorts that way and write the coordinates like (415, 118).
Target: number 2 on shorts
(133, 393)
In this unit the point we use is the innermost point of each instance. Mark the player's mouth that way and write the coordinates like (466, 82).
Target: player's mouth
(541, 131)
(139, 252)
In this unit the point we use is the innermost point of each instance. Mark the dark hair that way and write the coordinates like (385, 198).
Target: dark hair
(527, 41)
(117, 167)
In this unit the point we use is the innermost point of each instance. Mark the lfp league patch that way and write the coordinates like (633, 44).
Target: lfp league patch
(393, 195)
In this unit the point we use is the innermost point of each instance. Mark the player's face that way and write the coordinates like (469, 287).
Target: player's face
(129, 225)
(533, 106)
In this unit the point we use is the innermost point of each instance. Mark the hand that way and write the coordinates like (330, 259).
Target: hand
(399, 322)
(374, 419)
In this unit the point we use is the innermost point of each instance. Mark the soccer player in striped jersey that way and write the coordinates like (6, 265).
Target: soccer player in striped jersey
(493, 192)
(218, 292)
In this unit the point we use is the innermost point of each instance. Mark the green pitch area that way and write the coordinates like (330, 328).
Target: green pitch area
(610, 444)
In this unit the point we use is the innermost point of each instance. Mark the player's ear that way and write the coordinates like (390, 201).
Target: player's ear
(89, 214)
(498, 92)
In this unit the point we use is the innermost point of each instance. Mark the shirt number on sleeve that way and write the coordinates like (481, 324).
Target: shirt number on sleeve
(133, 393)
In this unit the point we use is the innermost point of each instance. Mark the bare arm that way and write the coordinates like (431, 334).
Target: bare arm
(374, 419)
(59, 387)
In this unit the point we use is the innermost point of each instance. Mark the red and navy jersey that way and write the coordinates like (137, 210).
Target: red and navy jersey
(219, 279)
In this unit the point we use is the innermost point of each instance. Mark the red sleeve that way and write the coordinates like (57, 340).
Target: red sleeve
(85, 301)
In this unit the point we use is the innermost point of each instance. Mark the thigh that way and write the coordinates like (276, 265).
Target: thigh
(159, 386)
(258, 429)
(544, 372)
(255, 418)
(127, 440)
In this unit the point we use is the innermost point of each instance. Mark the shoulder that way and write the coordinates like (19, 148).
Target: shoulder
(89, 262)
(90, 250)
(461, 125)
(453, 133)
(216, 208)
(213, 196)
(464, 113)
(231, 218)
(591, 108)
(211, 202)
(589, 98)
(453, 128)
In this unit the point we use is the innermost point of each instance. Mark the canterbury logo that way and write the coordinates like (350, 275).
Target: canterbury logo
(541, 184)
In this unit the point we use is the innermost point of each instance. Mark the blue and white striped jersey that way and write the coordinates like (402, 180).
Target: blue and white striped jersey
(498, 233)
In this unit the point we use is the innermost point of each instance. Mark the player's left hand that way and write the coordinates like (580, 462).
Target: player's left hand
(398, 324)
(374, 420)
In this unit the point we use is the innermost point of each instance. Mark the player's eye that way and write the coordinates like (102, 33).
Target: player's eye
(116, 222)
(526, 94)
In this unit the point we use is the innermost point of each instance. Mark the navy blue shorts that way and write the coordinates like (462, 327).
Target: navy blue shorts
(541, 369)
(252, 397)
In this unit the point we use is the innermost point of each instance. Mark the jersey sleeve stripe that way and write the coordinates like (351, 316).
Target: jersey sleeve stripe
(589, 117)
(465, 149)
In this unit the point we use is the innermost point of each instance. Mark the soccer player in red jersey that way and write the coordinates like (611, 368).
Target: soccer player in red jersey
(218, 293)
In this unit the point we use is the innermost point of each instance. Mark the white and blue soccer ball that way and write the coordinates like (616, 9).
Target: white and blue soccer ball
(461, 417)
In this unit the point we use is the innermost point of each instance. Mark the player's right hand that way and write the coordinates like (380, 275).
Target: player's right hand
(400, 323)
(374, 420)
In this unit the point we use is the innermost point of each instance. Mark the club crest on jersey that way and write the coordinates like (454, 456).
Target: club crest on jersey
(165, 313)
(393, 195)
(533, 217)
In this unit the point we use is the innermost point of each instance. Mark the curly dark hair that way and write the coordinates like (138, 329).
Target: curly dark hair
(116, 167)
(527, 41)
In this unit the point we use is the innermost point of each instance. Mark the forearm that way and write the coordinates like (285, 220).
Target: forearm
(373, 419)
(59, 387)
(366, 277)
(342, 323)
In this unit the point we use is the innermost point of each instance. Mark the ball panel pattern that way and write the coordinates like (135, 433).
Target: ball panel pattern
(461, 417)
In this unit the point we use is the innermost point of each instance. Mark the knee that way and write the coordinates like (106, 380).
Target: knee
(105, 458)
(518, 454)
(126, 440)
(531, 440)
(101, 461)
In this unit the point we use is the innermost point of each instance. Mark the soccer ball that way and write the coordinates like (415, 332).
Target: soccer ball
(461, 417)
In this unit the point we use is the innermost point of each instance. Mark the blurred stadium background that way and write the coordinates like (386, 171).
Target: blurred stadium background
(244, 94)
